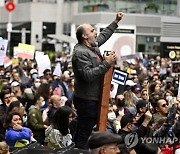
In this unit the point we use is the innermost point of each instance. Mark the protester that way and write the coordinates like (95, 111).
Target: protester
(128, 125)
(111, 125)
(144, 95)
(58, 133)
(29, 93)
(5, 102)
(17, 106)
(4, 148)
(35, 121)
(149, 148)
(161, 109)
(141, 107)
(45, 91)
(150, 87)
(47, 75)
(56, 103)
(16, 134)
(104, 142)
(89, 67)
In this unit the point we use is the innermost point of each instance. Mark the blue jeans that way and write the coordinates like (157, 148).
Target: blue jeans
(87, 118)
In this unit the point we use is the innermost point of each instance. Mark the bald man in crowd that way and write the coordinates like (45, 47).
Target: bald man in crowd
(89, 67)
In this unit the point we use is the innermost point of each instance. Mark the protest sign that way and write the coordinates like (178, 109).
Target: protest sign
(57, 70)
(3, 47)
(119, 77)
(7, 62)
(43, 63)
(25, 51)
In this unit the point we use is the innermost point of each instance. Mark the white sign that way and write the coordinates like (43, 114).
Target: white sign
(39, 53)
(132, 56)
(43, 63)
(57, 70)
(3, 47)
(114, 89)
(2, 61)
(2, 2)
(119, 77)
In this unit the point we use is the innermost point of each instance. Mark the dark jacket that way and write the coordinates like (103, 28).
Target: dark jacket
(35, 123)
(3, 109)
(88, 70)
(163, 131)
(141, 132)
(176, 128)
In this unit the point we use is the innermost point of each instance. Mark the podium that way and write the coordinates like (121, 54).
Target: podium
(104, 101)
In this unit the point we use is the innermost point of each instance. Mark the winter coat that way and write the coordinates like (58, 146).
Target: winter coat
(56, 139)
(12, 136)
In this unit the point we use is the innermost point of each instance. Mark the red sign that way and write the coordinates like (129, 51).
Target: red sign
(10, 6)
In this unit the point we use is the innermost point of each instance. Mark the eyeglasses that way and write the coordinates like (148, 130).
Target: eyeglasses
(164, 105)
(144, 94)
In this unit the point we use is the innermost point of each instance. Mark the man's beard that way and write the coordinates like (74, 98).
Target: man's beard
(95, 44)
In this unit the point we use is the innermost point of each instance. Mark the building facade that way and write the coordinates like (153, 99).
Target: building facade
(33, 21)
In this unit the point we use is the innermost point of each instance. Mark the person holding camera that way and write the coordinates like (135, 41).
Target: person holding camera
(89, 68)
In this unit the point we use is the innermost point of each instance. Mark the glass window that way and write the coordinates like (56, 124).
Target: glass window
(167, 7)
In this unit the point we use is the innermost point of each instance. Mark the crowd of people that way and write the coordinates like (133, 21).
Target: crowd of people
(58, 111)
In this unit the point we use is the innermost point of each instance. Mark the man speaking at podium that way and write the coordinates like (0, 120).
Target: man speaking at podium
(89, 68)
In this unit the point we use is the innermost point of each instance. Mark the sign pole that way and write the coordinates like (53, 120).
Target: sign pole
(10, 6)
(104, 101)
(9, 29)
